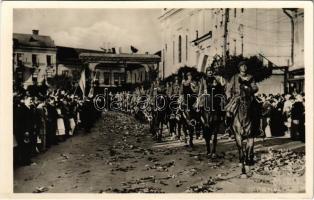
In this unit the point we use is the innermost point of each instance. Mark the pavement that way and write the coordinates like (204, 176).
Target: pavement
(119, 156)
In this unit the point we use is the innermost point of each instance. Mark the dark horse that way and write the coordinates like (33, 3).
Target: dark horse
(160, 111)
(245, 127)
(211, 119)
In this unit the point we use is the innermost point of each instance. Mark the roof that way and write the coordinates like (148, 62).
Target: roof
(130, 58)
(70, 55)
(30, 40)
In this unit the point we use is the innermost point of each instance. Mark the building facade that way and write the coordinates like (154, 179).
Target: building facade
(114, 70)
(192, 36)
(296, 68)
(34, 58)
(68, 62)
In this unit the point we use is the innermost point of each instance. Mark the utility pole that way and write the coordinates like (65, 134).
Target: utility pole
(225, 36)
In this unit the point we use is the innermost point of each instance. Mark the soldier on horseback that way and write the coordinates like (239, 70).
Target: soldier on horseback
(211, 105)
(159, 102)
(189, 91)
(242, 113)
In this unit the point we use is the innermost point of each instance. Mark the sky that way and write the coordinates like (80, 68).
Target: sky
(94, 28)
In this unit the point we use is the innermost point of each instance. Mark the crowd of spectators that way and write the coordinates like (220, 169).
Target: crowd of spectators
(43, 117)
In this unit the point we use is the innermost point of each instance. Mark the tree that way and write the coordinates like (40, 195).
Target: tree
(255, 67)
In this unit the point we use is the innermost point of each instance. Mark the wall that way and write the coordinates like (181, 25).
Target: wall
(26, 59)
(265, 31)
(299, 40)
(272, 85)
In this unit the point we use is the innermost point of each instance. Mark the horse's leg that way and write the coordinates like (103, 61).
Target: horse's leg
(185, 128)
(191, 133)
(191, 127)
(178, 124)
(215, 132)
(239, 142)
(206, 132)
(161, 124)
(250, 151)
(153, 126)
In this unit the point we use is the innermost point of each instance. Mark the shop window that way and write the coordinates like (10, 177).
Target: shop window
(97, 75)
(34, 60)
(65, 73)
(106, 78)
(48, 60)
(116, 77)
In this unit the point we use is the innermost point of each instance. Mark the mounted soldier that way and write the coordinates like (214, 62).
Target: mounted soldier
(159, 104)
(242, 111)
(189, 92)
(212, 99)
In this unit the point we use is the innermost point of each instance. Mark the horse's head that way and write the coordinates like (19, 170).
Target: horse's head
(245, 91)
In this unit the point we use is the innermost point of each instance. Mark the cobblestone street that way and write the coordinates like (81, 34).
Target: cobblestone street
(120, 156)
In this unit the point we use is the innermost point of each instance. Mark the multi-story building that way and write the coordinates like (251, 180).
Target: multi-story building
(296, 69)
(190, 35)
(114, 70)
(68, 62)
(34, 58)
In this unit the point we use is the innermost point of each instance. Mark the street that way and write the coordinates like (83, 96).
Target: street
(120, 156)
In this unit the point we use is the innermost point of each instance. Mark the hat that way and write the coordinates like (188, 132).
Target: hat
(209, 69)
(241, 63)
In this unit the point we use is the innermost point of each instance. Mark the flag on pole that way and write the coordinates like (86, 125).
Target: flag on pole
(41, 74)
(133, 49)
(91, 91)
(82, 82)
(202, 62)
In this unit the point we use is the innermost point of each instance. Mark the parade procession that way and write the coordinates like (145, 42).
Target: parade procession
(212, 107)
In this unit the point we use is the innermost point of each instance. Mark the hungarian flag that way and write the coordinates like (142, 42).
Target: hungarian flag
(133, 49)
(202, 62)
(41, 74)
(82, 82)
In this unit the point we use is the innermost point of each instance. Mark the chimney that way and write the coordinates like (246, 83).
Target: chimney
(35, 32)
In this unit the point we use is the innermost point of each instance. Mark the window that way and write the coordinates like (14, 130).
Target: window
(34, 60)
(235, 13)
(179, 49)
(65, 73)
(166, 47)
(48, 60)
(242, 10)
(106, 78)
(97, 75)
(173, 52)
(186, 47)
(19, 59)
(116, 77)
(19, 56)
(235, 47)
